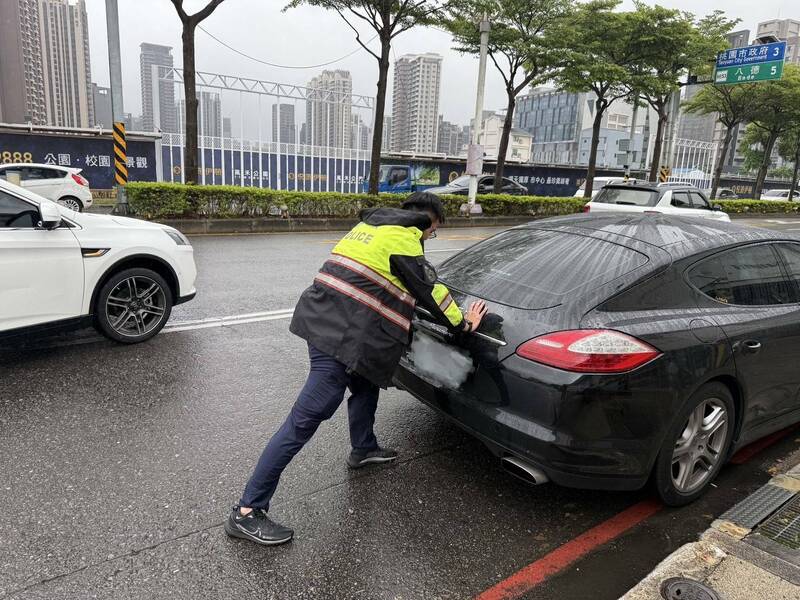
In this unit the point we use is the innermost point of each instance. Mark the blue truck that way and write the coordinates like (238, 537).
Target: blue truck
(401, 178)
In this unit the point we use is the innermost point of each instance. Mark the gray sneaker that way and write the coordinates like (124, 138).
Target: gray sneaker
(358, 459)
(257, 527)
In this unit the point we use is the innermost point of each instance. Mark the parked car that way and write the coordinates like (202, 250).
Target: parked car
(599, 183)
(640, 198)
(723, 194)
(620, 348)
(61, 269)
(779, 195)
(64, 185)
(460, 186)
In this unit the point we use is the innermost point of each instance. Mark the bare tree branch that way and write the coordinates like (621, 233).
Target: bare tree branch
(178, 4)
(206, 12)
(358, 35)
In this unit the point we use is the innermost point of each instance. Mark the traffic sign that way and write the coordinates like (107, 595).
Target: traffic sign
(761, 62)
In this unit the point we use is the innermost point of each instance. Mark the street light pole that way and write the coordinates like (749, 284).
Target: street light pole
(115, 77)
(475, 154)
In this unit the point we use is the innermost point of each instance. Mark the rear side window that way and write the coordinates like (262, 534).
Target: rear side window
(750, 276)
(630, 196)
(681, 200)
(699, 201)
(531, 268)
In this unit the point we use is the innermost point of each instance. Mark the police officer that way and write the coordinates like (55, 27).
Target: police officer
(356, 318)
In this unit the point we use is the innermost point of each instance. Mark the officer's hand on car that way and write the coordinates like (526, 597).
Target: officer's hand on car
(472, 320)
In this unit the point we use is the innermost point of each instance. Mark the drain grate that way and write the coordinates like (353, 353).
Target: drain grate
(784, 526)
(757, 506)
(680, 588)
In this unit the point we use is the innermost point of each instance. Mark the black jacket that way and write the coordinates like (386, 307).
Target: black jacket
(350, 316)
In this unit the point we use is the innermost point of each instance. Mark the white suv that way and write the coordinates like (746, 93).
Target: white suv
(64, 185)
(60, 269)
(676, 200)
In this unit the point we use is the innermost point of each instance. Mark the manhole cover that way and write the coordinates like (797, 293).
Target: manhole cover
(784, 526)
(678, 588)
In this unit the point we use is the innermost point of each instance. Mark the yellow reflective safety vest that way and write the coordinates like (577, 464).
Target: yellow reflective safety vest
(360, 306)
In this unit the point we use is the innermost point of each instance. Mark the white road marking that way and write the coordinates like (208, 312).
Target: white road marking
(229, 321)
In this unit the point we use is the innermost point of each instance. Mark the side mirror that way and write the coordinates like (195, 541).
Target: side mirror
(50, 215)
(716, 207)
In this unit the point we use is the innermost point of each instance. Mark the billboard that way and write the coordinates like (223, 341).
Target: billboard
(93, 154)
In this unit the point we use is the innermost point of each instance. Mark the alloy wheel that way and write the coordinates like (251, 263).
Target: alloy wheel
(135, 306)
(71, 203)
(699, 447)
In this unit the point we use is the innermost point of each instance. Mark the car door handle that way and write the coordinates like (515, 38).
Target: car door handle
(750, 346)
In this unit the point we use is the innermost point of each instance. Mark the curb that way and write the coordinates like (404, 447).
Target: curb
(732, 557)
(774, 215)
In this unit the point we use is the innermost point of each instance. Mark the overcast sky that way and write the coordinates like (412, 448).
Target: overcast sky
(308, 36)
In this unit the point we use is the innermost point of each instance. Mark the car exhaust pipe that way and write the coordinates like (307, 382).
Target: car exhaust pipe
(523, 470)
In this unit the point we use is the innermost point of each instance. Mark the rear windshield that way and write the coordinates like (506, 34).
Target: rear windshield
(630, 196)
(532, 268)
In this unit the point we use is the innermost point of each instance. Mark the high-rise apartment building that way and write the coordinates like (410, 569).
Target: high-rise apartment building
(285, 123)
(386, 138)
(209, 115)
(67, 68)
(360, 134)
(787, 30)
(158, 98)
(415, 103)
(452, 138)
(101, 101)
(22, 83)
(329, 109)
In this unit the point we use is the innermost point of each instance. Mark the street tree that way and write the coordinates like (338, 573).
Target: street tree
(388, 19)
(777, 113)
(598, 53)
(673, 46)
(518, 47)
(732, 105)
(751, 146)
(190, 23)
(789, 150)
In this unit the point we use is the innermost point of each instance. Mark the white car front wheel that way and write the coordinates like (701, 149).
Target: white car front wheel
(133, 306)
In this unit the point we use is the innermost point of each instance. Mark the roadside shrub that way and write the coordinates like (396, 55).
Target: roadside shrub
(758, 207)
(175, 200)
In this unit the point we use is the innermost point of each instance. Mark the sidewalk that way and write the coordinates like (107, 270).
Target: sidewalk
(750, 552)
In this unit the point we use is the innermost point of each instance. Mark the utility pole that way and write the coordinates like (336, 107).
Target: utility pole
(475, 154)
(115, 77)
(667, 158)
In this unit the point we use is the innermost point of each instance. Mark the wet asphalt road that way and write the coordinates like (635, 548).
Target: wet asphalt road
(120, 463)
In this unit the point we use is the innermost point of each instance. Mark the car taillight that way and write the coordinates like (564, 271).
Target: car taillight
(589, 351)
(80, 179)
(586, 208)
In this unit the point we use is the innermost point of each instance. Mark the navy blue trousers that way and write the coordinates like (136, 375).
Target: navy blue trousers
(320, 397)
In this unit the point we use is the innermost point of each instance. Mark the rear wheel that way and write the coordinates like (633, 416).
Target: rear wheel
(71, 203)
(133, 306)
(696, 446)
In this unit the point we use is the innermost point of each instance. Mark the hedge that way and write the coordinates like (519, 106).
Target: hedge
(175, 200)
(758, 206)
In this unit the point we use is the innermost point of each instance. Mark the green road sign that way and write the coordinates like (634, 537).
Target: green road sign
(749, 73)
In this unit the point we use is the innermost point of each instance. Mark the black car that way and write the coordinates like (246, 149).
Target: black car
(460, 186)
(620, 347)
